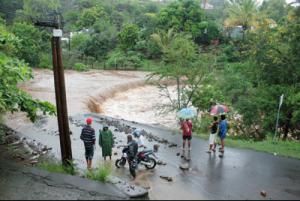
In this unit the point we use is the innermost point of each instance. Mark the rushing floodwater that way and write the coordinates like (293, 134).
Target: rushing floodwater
(121, 94)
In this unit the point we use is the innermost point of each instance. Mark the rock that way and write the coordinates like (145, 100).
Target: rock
(46, 148)
(156, 147)
(263, 193)
(34, 162)
(178, 154)
(169, 179)
(173, 145)
(11, 139)
(34, 157)
(115, 154)
(161, 163)
(184, 166)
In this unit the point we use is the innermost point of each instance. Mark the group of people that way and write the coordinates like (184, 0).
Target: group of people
(88, 136)
(218, 128)
(106, 139)
(106, 142)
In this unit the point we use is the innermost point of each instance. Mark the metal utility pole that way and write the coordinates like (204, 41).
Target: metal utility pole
(277, 121)
(60, 92)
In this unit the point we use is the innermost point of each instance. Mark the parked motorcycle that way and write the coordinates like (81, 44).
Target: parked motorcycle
(144, 157)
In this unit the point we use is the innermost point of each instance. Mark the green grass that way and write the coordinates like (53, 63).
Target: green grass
(100, 174)
(281, 148)
(55, 167)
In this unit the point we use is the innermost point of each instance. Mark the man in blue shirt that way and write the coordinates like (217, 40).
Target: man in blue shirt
(223, 127)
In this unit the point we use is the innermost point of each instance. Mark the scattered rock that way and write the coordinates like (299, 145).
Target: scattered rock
(156, 147)
(169, 179)
(34, 162)
(161, 163)
(21, 158)
(263, 193)
(173, 145)
(11, 139)
(46, 148)
(184, 166)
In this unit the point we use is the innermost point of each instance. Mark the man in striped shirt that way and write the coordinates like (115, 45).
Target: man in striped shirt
(89, 138)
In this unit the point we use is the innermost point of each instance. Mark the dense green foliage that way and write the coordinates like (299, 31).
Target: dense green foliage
(13, 71)
(195, 48)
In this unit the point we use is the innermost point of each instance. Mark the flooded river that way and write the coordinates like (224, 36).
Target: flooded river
(121, 94)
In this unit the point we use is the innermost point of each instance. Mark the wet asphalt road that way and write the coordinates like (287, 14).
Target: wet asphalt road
(241, 174)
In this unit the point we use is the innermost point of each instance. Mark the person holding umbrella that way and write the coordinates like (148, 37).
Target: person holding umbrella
(186, 126)
(223, 125)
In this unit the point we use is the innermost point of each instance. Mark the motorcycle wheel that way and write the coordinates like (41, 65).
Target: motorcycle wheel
(120, 163)
(153, 164)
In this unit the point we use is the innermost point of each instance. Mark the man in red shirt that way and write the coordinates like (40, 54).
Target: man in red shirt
(186, 127)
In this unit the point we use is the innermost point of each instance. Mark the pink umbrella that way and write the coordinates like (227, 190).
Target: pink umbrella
(219, 109)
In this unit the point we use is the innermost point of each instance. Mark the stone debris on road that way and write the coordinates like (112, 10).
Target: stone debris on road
(169, 179)
(263, 193)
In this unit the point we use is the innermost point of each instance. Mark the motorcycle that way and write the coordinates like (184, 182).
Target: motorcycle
(144, 158)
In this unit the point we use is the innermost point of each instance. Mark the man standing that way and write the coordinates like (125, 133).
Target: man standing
(106, 142)
(223, 127)
(89, 138)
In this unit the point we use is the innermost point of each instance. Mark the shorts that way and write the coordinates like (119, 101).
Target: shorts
(187, 137)
(89, 153)
(212, 138)
(222, 137)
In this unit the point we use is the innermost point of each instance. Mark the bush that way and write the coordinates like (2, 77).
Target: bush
(55, 167)
(121, 60)
(80, 67)
(101, 174)
(46, 61)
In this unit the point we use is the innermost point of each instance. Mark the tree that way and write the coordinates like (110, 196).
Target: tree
(32, 42)
(13, 71)
(269, 69)
(241, 13)
(37, 10)
(188, 17)
(90, 16)
(8, 9)
(179, 53)
(275, 9)
(129, 36)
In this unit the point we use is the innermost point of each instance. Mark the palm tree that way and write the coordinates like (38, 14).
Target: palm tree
(164, 39)
(241, 13)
